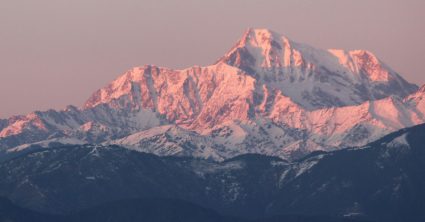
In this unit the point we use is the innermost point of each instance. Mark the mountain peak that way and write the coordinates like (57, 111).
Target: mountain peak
(306, 95)
(364, 62)
(262, 48)
(261, 37)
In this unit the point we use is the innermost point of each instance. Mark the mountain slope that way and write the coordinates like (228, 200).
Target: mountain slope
(147, 210)
(383, 181)
(12, 213)
(315, 78)
(288, 98)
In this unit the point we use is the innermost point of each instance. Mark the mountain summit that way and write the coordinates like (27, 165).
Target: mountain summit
(267, 95)
(315, 78)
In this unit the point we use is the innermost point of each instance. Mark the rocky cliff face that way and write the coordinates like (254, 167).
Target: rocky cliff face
(315, 78)
(267, 95)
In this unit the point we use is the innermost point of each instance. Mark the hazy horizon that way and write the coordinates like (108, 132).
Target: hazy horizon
(55, 53)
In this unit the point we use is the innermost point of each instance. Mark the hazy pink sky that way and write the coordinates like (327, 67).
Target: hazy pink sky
(57, 52)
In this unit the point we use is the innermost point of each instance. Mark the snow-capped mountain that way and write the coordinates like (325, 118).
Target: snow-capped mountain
(383, 181)
(315, 78)
(267, 95)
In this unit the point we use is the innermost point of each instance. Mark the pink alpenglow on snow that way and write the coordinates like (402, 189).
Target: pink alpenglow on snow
(268, 95)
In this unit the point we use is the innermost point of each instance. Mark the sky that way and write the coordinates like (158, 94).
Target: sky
(57, 52)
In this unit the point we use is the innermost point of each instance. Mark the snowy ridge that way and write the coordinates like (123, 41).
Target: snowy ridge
(267, 95)
(315, 78)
